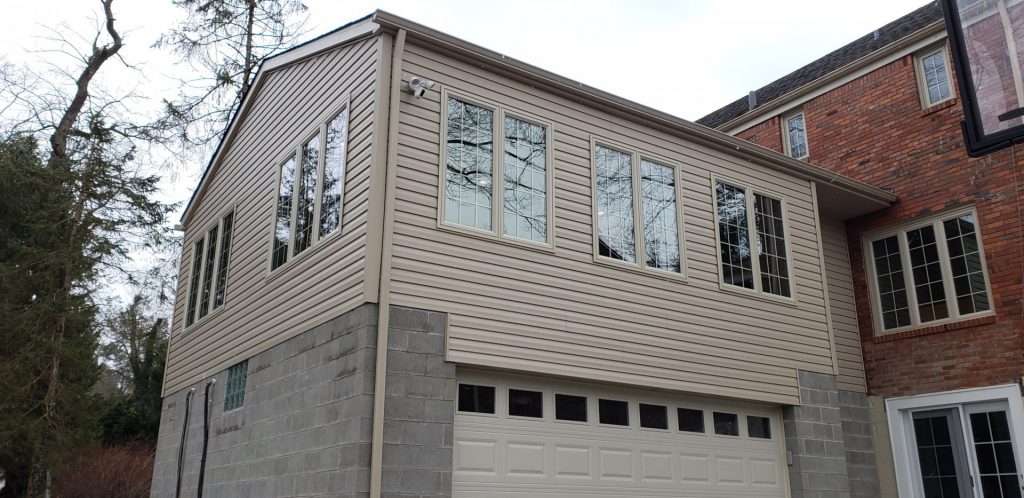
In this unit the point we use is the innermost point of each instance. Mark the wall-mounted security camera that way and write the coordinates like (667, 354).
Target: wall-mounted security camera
(419, 86)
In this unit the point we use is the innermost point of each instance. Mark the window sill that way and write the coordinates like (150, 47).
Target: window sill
(937, 329)
(760, 296)
(635, 268)
(945, 104)
(492, 237)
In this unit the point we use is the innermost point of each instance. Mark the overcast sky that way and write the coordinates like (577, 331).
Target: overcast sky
(686, 58)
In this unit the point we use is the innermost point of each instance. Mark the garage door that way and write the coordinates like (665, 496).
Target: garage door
(520, 436)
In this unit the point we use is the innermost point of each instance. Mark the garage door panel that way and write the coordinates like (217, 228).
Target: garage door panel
(498, 455)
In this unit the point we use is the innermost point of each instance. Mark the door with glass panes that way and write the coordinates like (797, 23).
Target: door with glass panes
(966, 451)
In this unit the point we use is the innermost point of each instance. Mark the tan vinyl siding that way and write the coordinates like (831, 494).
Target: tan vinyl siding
(843, 305)
(263, 308)
(561, 313)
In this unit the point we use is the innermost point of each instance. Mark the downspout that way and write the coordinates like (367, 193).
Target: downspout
(383, 299)
(181, 447)
(206, 436)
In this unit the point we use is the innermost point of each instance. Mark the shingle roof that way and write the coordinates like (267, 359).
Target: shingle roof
(861, 47)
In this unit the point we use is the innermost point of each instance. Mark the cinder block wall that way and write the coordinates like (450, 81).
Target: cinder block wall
(304, 429)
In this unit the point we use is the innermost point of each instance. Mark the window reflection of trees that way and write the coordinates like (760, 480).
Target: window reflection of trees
(307, 195)
(615, 204)
(468, 169)
(771, 245)
(525, 175)
(661, 232)
(282, 225)
(734, 236)
(334, 174)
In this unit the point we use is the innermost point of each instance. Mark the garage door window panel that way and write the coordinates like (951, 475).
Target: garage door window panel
(570, 408)
(690, 420)
(523, 403)
(759, 427)
(726, 424)
(653, 416)
(613, 412)
(476, 399)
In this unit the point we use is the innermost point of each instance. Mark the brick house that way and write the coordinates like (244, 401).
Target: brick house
(937, 277)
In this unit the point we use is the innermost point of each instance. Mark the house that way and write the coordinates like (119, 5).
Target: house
(416, 267)
(937, 277)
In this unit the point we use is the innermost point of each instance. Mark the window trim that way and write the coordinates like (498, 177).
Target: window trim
(900, 231)
(233, 208)
(784, 128)
(922, 82)
(294, 151)
(497, 232)
(757, 291)
(636, 156)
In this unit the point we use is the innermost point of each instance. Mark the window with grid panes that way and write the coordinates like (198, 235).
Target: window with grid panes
(234, 392)
(931, 272)
(742, 212)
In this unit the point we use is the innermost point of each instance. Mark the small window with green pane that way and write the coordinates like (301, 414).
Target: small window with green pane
(234, 396)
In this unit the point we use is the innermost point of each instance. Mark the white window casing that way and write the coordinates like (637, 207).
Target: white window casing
(934, 78)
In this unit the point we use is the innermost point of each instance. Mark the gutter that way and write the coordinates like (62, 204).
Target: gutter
(587, 95)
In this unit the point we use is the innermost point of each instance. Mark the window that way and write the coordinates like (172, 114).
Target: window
(933, 77)
(234, 394)
(794, 135)
(726, 424)
(311, 189)
(742, 212)
(690, 420)
(931, 272)
(759, 427)
(653, 416)
(657, 207)
(571, 408)
(612, 412)
(476, 399)
(525, 403)
(210, 257)
(508, 198)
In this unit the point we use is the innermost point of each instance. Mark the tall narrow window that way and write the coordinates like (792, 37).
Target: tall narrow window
(307, 195)
(525, 192)
(283, 215)
(468, 169)
(225, 255)
(771, 245)
(795, 135)
(742, 212)
(734, 236)
(933, 77)
(946, 273)
(193, 287)
(658, 205)
(334, 174)
(234, 393)
(615, 204)
(211, 257)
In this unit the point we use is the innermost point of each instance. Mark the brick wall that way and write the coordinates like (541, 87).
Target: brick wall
(874, 130)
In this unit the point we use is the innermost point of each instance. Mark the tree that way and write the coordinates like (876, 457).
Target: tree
(65, 222)
(226, 39)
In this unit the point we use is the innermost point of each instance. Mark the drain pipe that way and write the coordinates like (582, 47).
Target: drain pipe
(384, 289)
(206, 435)
(181, 447)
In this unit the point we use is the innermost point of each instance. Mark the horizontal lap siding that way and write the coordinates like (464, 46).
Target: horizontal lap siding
(843, 306)
(564, 314)
(261, 308)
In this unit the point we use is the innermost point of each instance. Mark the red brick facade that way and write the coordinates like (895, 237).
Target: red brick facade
(873, 129)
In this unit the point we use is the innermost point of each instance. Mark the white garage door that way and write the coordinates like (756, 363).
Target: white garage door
(522, 436)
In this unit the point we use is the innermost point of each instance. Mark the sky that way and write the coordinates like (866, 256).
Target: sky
(684, 57)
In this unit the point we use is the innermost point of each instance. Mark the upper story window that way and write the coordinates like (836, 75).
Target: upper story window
(618, 176)
(933, 77)
(509, 198)
(930, 272)
(752, 224)
(794, 134)
(311, 187)
(208, 282)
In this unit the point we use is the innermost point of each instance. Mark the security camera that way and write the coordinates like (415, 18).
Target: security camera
(419, 86)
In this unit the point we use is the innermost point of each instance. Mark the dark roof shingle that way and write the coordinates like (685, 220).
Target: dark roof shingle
(861, 47)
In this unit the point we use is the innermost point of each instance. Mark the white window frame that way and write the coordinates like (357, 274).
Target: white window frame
(497, 231)
(294, 151)
(922, 81)
(787, 146)
(947, 273)
(636, 156)
(757, 291)
(216, 268)
(900, 411)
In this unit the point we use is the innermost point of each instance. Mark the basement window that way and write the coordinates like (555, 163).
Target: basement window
(234, 394)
